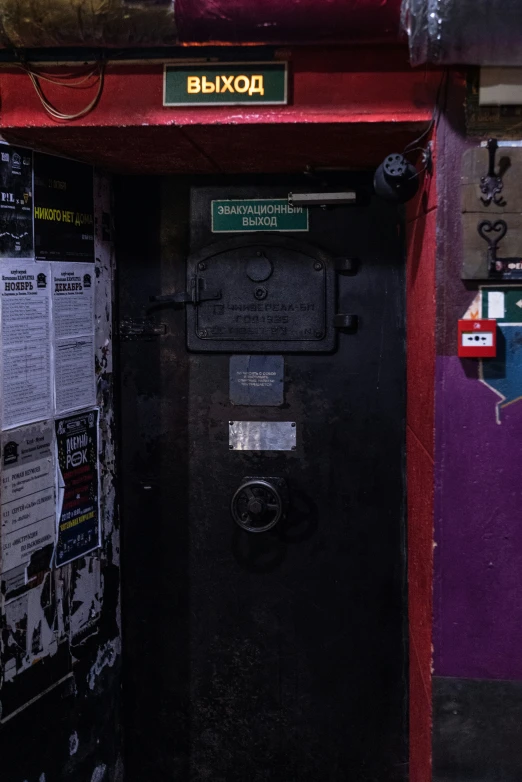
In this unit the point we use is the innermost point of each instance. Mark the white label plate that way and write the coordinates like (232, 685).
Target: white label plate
(262, 435)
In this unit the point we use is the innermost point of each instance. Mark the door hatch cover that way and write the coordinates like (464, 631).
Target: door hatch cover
(274, 298)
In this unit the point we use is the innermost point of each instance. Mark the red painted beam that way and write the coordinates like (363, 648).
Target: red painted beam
(421, 238)
(327, 85)
(287, 21)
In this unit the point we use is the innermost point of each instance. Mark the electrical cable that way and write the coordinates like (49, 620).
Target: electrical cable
(411, 147)
(79, 80)
(62, 81)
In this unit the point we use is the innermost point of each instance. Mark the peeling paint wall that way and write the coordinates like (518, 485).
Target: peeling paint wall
(60, 640)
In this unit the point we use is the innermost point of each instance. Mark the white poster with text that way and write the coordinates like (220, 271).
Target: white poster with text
(73, 324)
(25, 337)
(28, 497)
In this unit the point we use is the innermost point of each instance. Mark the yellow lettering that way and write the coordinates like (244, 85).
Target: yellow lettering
(193, 84)
(257, 85)
(245, 82)
(227, 84)
(207, 86)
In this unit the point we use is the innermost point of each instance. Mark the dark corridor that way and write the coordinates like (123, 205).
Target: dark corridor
(263, 640)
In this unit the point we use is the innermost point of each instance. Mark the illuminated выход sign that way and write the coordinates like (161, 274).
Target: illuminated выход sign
(225, 84)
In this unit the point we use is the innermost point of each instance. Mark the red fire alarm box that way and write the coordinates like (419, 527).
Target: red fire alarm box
(477, 338)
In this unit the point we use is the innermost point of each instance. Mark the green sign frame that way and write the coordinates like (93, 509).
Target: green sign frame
(225, 84)
(230, 216)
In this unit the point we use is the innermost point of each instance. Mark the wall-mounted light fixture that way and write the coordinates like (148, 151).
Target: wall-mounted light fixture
(322, 199)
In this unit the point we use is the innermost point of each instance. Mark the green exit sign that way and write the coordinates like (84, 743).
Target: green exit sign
(225, 84)
(257, 214)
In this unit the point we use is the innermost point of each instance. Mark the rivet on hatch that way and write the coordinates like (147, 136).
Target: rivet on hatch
(260, 293)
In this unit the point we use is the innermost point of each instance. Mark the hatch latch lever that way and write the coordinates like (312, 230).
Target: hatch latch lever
(197, 294)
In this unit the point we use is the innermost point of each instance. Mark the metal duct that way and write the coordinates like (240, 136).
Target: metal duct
(288, 21)
(34, 24)
(472, 32)
(54, 23)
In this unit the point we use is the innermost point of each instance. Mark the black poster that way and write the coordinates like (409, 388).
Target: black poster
(79, 524)
(16, 202)
(63, 210)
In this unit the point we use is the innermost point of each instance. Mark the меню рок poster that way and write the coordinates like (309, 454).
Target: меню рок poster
(78, 491)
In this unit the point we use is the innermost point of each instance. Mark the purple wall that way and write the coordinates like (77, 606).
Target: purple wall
(478, 469)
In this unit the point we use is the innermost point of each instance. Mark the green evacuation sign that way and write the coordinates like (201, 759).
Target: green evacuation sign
(257, 214)
(225, 84)
(502, 303)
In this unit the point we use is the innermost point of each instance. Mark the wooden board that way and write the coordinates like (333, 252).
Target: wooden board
(475, 248)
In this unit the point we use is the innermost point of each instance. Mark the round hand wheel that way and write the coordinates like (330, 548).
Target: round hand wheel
(257, 506)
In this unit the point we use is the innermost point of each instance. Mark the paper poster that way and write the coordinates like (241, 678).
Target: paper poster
(25, 338)
(73, 324)
(75, 376)
(78, 490)
(28, 627)
(28, 501)
(16, 202)
(35, 646)
(73, 299)
(63, 210)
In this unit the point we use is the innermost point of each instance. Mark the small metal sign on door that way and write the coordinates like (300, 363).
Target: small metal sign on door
(257, 380)
(257, 214)
(225, 84)
(262, 436)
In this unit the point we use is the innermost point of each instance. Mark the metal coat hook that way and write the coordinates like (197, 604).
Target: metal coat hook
(491, 185)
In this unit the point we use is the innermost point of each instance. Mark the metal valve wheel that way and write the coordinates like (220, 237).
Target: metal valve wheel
(258, 505)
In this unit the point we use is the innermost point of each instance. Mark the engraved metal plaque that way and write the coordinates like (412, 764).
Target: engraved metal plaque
(262, 435)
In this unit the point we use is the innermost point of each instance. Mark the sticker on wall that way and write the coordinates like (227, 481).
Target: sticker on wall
(78, 486)
(16, 202)
(63, 210)
(25, 304)
(73, 324)
(28, 504)
(502, 374)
